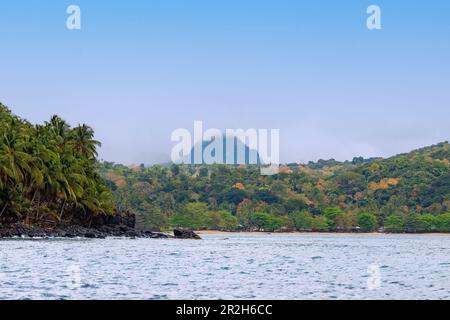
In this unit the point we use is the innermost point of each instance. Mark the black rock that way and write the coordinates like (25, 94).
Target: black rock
(185, 234)
(119, 224)
(90, 235)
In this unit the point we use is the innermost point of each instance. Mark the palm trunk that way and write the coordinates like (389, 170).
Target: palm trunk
(38, 206)
(34, 197)
(62, 211)
(3, 210)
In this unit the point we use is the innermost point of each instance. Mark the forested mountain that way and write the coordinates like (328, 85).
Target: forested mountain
(48, 172)
(407, 192)
(238, 149)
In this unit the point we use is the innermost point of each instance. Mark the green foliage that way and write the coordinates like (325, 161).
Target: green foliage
(333, 215)
(244, 213)
(426, 223)
(266, 221)
(197, 216)
(320, 223)
(393, 223)
(297, 203)
(367, 222)
(408, 185)
(193, 216)
(443, 223)
(150, 217)
(227, 221)
(347, 221)
(49, 172)
(418, 223)
(302, 220)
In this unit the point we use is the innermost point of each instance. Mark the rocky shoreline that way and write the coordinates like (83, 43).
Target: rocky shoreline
(100, 227)
(24, 231)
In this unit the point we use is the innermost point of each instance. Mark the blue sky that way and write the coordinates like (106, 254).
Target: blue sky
(137, 70)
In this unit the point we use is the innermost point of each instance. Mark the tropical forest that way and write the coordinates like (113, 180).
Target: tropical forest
(49, 173)
(405, 193)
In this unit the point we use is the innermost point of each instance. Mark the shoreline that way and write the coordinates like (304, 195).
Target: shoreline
(19, 230)
(103, 231)
(302, 233)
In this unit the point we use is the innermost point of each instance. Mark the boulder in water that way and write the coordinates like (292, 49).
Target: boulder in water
(185, 234)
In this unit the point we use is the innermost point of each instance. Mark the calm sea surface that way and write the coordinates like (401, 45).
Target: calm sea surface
(229, 267)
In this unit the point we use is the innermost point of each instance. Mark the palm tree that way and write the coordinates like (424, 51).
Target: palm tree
(15, 164)
(52, 167)
(57, 126)
(84, 142)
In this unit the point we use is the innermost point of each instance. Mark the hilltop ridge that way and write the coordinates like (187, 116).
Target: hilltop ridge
(404, 186)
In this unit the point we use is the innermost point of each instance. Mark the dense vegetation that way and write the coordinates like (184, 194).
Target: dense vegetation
(48, 173)
(408, 192)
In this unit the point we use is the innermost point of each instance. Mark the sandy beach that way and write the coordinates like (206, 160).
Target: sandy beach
(200, 232)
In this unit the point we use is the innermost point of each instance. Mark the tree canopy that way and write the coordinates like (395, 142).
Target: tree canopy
(48, 172)
(357, 195)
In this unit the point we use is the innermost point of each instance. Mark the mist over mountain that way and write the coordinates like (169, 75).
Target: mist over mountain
(239, 154)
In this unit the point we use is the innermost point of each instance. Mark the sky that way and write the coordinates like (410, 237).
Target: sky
(138, 70)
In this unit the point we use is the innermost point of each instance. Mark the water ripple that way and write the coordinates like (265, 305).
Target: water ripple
(243, 267)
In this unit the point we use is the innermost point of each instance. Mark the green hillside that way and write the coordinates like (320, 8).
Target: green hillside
(49, 174)
(407, 192)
